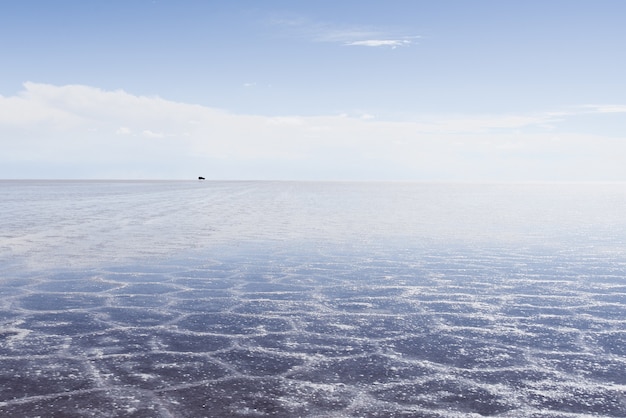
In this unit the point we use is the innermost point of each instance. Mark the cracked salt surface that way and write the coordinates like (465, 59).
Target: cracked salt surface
(185, 299)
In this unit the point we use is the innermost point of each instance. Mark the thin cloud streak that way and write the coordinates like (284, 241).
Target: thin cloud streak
(605, 108)
(394, 43)
(344, 34)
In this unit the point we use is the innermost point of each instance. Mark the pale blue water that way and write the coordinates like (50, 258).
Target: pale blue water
(191, 299)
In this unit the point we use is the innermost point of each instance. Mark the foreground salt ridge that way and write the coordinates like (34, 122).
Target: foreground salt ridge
(308, 334)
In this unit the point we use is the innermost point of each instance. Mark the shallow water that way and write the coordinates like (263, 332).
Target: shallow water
(191, 299)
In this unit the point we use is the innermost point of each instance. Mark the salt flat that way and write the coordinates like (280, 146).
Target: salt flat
(190, 299)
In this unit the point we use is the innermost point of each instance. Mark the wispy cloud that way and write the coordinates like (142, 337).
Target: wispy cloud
(346, 34)
(149, 134)
(605, 108)
(393, 43)
(123, 131)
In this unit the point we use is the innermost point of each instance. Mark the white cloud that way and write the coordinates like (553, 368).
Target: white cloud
(606, 108)
(91, 132)
(149, 134)
(394, 43)
(123, 131)
(349, 35)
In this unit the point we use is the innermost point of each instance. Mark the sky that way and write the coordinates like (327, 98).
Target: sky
(406, 90)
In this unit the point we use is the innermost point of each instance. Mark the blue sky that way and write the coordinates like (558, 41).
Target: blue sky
(319, 90)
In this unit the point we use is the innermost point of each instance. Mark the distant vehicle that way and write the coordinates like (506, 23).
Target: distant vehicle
(201, 178)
